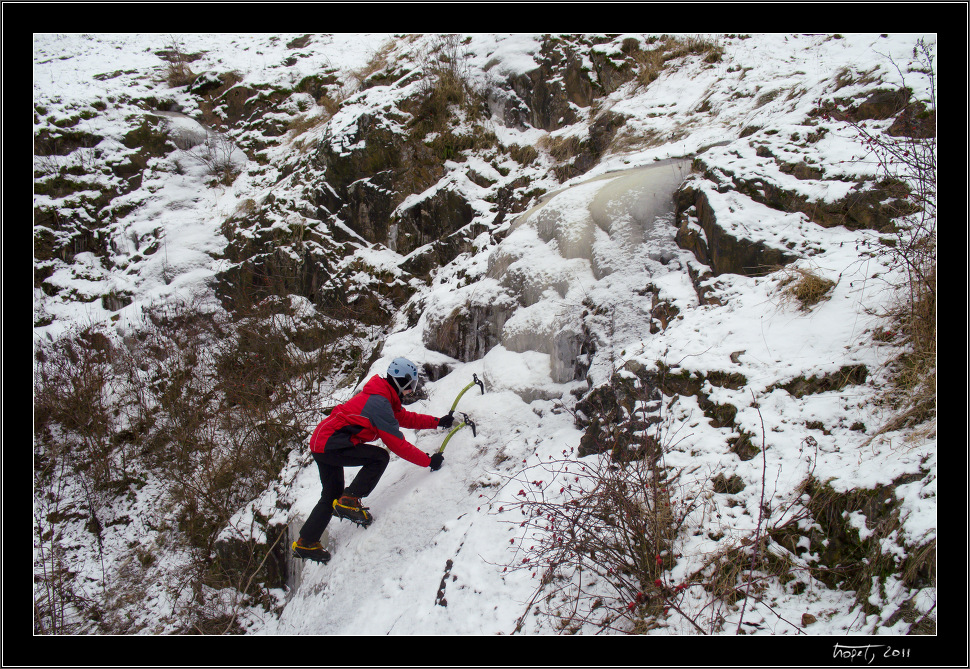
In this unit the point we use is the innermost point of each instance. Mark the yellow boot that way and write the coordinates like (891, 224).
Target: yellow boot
(315, 551)
(350, 508)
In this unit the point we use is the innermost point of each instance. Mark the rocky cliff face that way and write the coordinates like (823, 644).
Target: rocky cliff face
(393, 168)
(400, 175)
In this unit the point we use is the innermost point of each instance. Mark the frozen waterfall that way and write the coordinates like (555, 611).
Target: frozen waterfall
(581, 261)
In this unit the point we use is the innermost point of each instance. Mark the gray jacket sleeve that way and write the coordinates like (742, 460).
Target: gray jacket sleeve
(378, 411)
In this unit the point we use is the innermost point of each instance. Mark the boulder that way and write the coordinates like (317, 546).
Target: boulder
(617, 416)
(717, 248)
(428, 220)
(882, 104)
(470, 331)
(544, 96)
(916, 121)
(205, 83)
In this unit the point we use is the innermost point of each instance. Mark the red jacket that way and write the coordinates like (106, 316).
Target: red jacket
(374, 413)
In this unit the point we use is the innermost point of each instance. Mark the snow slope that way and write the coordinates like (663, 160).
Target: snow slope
(445, 553)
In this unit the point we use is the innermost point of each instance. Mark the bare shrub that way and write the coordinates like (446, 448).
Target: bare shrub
(209, 403)
(217, 153)
(445, 86)
(610, 522)
(599, 534)
(602, 536)
(907, 155)
(178, 72)
(56, 605)
(72, 390)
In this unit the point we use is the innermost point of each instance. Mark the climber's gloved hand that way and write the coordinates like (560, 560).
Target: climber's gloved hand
(436, 460)
(446, 421)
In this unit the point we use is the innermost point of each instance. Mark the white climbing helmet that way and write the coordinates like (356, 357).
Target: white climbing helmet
(404, 374)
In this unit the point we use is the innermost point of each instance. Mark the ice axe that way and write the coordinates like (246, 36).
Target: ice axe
(465, 390)
(466, 420)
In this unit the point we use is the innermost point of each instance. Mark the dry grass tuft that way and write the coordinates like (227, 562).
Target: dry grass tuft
(651, 62)
(805, 286)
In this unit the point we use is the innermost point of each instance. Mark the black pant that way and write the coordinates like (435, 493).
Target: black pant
(372, 461)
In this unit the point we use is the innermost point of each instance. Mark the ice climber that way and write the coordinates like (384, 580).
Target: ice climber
(340, 440)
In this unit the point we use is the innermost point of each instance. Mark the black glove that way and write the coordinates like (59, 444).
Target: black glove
(446, 421)
(436, 461)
